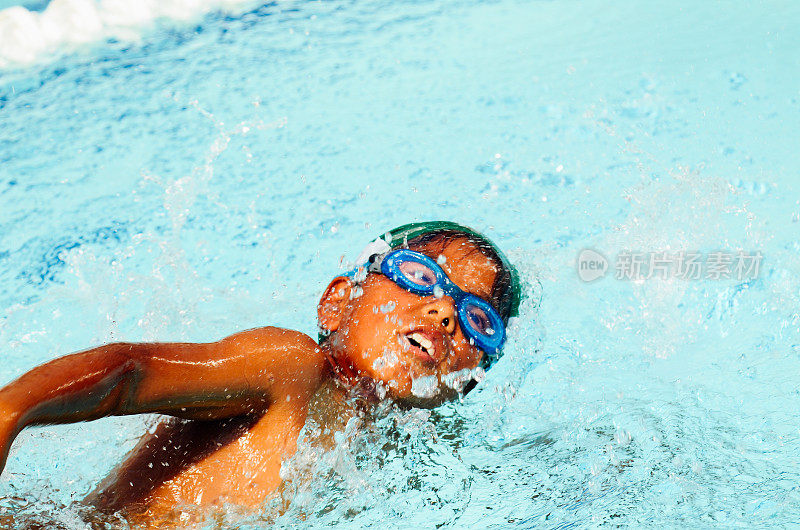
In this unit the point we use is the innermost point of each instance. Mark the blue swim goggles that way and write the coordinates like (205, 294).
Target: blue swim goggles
(417, 273)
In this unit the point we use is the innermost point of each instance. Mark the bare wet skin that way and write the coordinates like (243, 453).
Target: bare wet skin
(181, 458)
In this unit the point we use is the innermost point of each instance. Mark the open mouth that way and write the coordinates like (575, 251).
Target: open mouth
(422, 346)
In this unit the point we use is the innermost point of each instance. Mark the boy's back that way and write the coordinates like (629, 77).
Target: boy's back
(182, 464)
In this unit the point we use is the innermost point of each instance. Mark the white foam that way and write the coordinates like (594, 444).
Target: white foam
(425, 387)
(27, 36)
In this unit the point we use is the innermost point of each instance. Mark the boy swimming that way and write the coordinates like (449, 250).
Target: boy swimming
(417, 321)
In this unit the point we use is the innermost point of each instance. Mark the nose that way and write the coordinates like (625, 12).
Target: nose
(443, 312)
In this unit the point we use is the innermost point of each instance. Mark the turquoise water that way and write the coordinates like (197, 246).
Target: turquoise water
(213, 175)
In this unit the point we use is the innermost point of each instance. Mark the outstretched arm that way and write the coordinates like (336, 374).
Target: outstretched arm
(241, 374)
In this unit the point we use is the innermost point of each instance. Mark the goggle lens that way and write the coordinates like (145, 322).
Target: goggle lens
(418, 273)
(479, 320)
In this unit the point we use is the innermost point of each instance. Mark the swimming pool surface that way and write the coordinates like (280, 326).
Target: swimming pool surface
(204, 174)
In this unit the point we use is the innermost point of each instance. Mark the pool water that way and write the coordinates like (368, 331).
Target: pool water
(198, 175)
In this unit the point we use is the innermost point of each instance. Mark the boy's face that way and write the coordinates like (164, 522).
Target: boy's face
(410, 343)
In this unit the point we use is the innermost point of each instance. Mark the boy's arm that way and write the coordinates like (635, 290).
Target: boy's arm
(241, 374)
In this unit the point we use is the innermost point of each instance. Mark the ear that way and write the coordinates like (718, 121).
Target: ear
(333, 303)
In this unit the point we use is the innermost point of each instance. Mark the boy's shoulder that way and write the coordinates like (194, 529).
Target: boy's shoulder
(273, 333)
(281, 351)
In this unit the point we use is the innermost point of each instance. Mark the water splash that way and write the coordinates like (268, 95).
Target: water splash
(29, 36)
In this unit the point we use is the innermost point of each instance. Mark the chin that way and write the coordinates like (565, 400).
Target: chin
(422, 396)
(414, 386)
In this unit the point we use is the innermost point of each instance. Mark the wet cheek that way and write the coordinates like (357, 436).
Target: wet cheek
(397, 369)
(469, 358)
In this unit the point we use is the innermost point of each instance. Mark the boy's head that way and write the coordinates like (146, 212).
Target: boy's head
(414, 344)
